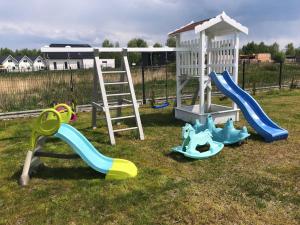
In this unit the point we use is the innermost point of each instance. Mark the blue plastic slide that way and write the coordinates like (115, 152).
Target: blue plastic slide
(252, 111)
(112, 167)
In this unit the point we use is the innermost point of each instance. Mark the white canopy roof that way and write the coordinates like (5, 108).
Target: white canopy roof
(220, 25)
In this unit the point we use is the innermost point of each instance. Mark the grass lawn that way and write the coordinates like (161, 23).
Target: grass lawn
(256, 183)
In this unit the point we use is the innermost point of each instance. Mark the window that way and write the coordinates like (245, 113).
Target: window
(66, 65)
(25, 60)
(9, 60)
(39, 61)
(78, 65)
(55, 65)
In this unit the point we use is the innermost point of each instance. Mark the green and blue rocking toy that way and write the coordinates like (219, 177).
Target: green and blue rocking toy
(191, 141)
(200, 135)
(227, 135)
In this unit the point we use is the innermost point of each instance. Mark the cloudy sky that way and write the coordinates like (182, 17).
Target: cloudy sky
(35, 23)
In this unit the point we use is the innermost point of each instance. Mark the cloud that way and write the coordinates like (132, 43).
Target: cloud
(39, 23)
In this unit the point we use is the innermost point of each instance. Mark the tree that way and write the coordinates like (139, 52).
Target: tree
(171, 42)
(279, 57)
(107, 44)
(6, 52)
(290, 50)
(274, 49)
(135, 58)
(137, 43)
(157, 45)
(297, 51)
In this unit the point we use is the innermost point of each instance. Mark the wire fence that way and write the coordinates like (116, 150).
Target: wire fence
(35, 90)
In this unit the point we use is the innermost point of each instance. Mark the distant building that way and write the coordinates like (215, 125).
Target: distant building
(255, 58)
(73, 60)
(38, 63)
(24, 63)
(9, 63)
(290, 59)
(21, 63)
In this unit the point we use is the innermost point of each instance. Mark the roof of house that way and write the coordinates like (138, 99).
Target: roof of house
(188, 27)
(33, 58)
(222, 24)
(71, 45)
(20, 57)
(69, 55)
(3, 58)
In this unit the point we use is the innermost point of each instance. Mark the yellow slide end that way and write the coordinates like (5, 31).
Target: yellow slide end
(121, 169)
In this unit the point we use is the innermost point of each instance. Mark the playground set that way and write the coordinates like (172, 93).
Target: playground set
(207, 51)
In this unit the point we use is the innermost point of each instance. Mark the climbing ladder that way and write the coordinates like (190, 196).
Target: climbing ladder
(107, 106)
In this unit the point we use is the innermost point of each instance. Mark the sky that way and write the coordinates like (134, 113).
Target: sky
(36, 23)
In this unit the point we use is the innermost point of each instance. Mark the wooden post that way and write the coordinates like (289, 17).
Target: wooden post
(209, 60)
(236, 62)
(280, 75)
(178, 73)
(243, 82)
(201, 79)
(95, 82)
(143, 79)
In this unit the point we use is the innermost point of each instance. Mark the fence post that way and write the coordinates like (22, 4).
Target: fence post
(243, 82)
(280, 75)
(143, 83)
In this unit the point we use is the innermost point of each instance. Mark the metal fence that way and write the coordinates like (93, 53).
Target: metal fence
(35, 90)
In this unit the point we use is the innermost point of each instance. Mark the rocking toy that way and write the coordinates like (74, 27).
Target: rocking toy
(228, 135)
(192, 142)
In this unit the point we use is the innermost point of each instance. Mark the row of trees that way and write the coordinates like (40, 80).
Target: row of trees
(273, 49)
(25, 51)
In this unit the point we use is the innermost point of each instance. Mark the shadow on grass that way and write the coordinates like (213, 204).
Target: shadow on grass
(157, 119)
(179, 157)
(61, 173)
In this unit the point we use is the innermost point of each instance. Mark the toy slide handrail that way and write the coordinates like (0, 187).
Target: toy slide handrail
(66, 114)
(47, 124)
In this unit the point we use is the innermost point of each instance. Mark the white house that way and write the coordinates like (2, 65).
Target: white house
(24, 63)
(9, 63)
(73, 60)
(38, 63)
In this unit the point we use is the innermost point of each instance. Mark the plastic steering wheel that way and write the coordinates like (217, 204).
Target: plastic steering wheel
(66, 113)
(46, 126)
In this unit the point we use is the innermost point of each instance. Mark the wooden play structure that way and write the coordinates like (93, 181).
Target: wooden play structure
(206, 46)
(201, 47)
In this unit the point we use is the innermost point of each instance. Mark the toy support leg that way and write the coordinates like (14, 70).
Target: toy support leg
(31, 162)
(24, 179)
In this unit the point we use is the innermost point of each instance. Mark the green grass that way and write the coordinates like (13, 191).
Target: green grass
(256, 183)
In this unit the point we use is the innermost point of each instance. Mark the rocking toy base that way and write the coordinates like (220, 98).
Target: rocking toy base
(214, 149)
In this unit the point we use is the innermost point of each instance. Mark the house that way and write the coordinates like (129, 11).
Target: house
(38, 63)
(255, 58)
(24, 63)
(73, 60)
(263, 57)
(9, 63)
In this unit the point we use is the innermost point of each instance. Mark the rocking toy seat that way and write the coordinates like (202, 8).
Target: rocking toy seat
(192, 141)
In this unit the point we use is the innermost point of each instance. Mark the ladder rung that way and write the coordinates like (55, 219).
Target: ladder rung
(115, 83)
(111, 72)
(122, 117)
(118, 94)
(119, 106)
(124, 129)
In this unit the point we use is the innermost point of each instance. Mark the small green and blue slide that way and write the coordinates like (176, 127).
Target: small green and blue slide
(53, 123)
